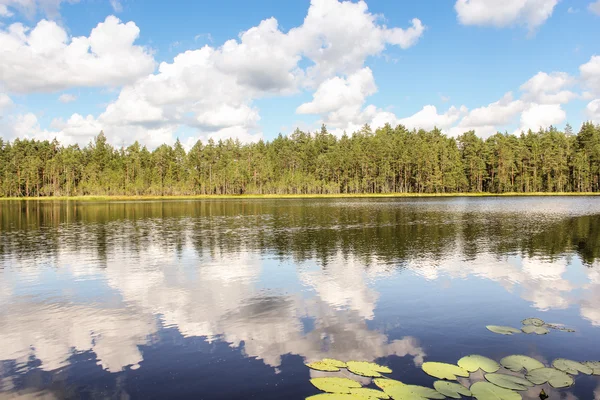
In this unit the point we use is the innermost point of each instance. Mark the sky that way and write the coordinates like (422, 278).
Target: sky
(154, 71)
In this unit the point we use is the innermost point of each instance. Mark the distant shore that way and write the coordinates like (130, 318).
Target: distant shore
(293, 196)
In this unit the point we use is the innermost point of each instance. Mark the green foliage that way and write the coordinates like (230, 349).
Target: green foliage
(509, 381)
(444, 371)
(389, 160)
(474, 362)
(503, 330)
(519, 362)
(451, 389)
(489, 391)
(556, 378)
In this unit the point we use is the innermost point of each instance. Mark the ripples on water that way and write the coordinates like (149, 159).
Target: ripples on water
(228, 299)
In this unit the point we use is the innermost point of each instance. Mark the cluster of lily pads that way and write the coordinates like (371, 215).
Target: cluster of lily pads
(530, 325)
(498, 385)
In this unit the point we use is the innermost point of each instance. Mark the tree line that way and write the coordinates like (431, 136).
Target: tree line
(387, 160)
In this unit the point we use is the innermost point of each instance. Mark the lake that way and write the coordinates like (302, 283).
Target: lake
(229, 299)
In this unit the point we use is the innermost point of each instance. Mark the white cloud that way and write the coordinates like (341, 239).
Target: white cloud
(428, 118)
(546, 88)
(212, 89)
(531, 13)
(5, 103)
(116, 5)
(590, 74)
(46, 59)
(31, 8)
(67, 98)
(594, 7)
(4, 11)
(501, 112)
(593, 110)
(337, 93)
(541, 115)
(572, 10)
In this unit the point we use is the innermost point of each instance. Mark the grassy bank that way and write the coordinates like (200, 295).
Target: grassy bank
(292, 196)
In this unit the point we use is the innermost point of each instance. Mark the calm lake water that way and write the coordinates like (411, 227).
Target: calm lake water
(228, 299)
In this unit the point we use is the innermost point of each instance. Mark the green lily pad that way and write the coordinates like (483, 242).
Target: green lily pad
(519, 362)
(533, 321)
(322, 366)
(444, 371)
(334, 362)
(451, 389)
(337, 396)
(334, 384)
(538, 330)
(412, 392)
(367, 369)
(571, 367)
(474, 362)
(595, 366)
(556, 378)
(489, 391)
(384, 383)
(503, 330)
(509, 381)
(366, 392)
(559, 328)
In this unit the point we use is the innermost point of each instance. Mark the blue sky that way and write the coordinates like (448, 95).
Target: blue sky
(323, 61)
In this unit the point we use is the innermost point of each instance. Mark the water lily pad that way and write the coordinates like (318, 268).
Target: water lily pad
(595, 366)
(444, 371)
(384, 383)
(474, 362)
(373, 393)
(503, 330)
(571, 367)
(519, 362)
(334, 362)
(334, 384)
(322, 366)
(556, 378)
(412, 392)
(367, 369)
(538, 330)
(337, 396)
(533, 321)
(509, 381)
(451, 389)
(559, 327)
(489, 391)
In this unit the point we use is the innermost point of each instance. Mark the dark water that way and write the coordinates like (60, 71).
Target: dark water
(228, 299)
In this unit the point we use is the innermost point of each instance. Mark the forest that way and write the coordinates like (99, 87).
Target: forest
(387, 160)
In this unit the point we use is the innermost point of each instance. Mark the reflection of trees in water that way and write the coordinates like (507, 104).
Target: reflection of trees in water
(388, 232)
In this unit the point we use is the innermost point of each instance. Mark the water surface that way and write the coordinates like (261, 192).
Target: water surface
(228, 299)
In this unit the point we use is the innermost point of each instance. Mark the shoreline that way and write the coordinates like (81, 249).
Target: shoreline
(295, 196)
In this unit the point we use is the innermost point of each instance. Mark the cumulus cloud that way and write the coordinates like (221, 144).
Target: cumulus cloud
(593, 110)
(212, 89)
(544, 88)
(67, 98)
(428, 118)
(531, 13)
(594, 7)
(5, 102)
(4, 12)
(31, 8)
(541, 116)
(337, 93)
(590, 74)
(46, 59)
